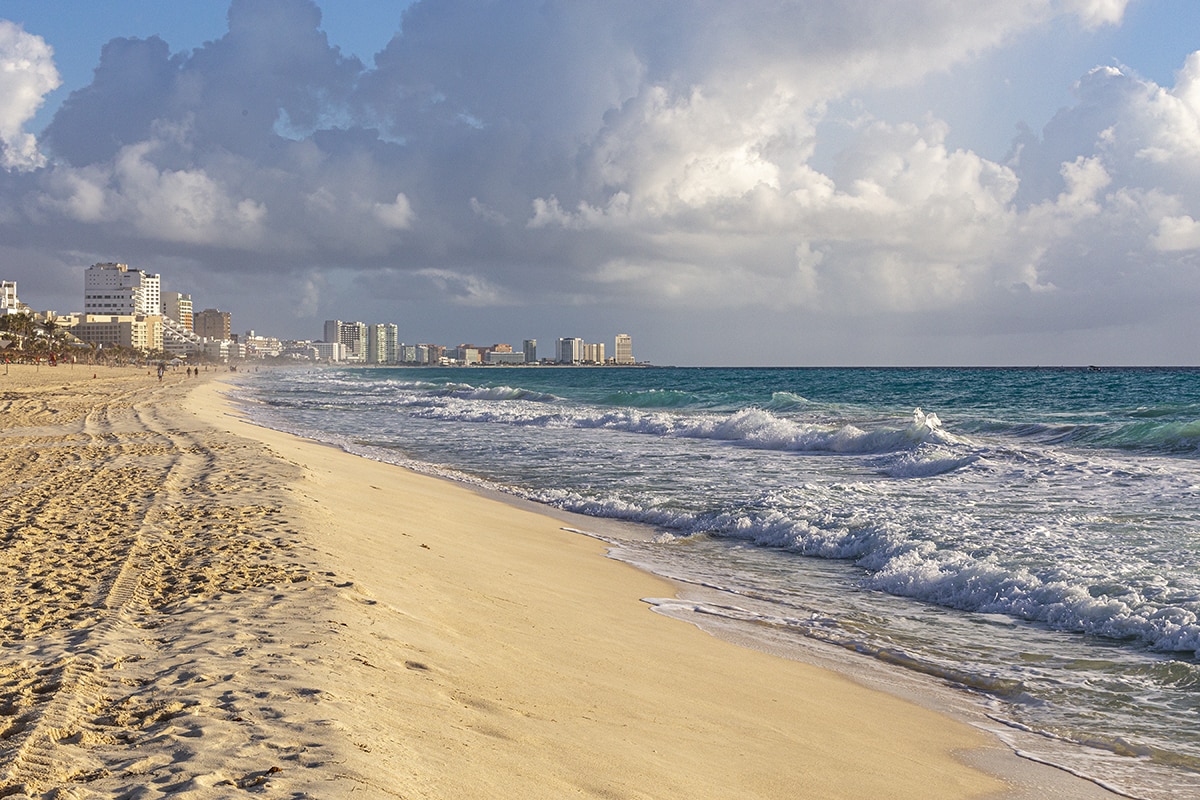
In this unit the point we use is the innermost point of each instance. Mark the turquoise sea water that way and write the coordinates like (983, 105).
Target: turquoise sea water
(1031, 536)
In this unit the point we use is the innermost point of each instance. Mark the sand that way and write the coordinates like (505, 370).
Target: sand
(199, 608)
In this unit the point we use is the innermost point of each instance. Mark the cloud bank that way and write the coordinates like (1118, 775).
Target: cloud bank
(657, 158)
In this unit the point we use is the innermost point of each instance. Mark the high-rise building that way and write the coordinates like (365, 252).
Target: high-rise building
(213, 324)
(623, 353)
(530, 349)
(383, 341)
(568, 350)
(333, 330)
(593, 353)
(392, 343)
(353, 335)
(110, 288)
(178, 307)
(376, 347)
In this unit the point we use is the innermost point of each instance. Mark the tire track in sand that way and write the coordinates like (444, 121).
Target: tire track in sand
(74, 684)
(163, 502)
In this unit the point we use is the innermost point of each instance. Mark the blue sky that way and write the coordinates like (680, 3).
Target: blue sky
(760, 183)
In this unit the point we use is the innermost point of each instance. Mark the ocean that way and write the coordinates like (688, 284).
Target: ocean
(1030, 537)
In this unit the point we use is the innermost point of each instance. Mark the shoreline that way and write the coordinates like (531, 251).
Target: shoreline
(280, 614)
(1027, 776)
(598, 705)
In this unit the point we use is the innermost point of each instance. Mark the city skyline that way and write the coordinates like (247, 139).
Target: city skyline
(118, 301)
(380, 343)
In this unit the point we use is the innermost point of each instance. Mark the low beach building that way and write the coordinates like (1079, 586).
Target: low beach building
(179, 341)
(261, 346)
(466, 354)
(498, 357)
(329, 351)
(224, 350)
(137, 331)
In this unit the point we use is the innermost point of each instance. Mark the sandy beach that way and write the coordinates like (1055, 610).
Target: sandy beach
(197, 607)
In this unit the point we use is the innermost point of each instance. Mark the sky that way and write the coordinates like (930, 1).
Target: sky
(769, 182)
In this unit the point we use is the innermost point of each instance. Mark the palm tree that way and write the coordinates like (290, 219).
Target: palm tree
(5, 330)
(20, 327)
(56, 336)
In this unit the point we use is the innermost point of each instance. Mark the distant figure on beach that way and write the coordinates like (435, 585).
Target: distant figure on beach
(161, 370)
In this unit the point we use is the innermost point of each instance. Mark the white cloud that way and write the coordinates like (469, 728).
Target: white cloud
(675, 154)
(397, 215)
(1177, 233)
(1187, 84)
(1094, 13)
(1084, 178)
(184, 205)
(172, 205)
(1168, 121)
(27, 74)
(547, 212)
(906, 225)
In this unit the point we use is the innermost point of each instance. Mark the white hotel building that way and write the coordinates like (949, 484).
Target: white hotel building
(9, 304)
(115, 289)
